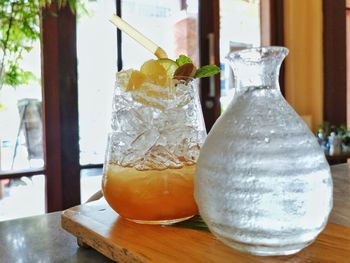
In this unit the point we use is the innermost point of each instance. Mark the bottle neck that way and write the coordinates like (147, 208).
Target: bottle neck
(255, 76)
(257, 67)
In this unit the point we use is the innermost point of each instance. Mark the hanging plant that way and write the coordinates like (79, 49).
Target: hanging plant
(19, 29)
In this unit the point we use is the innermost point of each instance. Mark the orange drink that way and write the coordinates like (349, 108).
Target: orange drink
(150, 196)
(157, 129)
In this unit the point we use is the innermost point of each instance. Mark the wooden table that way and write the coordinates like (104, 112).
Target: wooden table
(97, 225)
(337, 159)
(341, 195)
(41, 239)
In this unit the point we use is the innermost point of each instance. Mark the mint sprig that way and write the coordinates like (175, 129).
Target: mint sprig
(207, 71)
(182, 60)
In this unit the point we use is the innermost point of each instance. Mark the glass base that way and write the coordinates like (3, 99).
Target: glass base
(160, 222)
(266, 250)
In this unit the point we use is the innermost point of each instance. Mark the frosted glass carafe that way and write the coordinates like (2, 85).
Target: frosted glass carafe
(262, 183)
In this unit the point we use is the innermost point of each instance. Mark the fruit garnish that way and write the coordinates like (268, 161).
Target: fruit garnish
(137, 78)
(155, 72)
(186, 70)
(169, 65)
(160, 82)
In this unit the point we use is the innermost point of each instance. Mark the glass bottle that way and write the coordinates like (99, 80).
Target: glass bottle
(262, 183)
(153, 146)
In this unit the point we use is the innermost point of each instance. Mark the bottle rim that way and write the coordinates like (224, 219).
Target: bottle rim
(257, 54)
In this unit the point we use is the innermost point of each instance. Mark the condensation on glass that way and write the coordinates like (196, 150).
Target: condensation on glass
(262, 182)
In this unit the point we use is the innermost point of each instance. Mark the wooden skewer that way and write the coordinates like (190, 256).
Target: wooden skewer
(139, 37)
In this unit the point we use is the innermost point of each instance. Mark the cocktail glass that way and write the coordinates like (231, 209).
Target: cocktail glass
(156, 134)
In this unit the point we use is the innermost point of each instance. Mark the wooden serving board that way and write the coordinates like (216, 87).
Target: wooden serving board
(97, 225)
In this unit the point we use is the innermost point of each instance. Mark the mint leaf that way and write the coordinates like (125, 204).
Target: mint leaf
(183, 60)
(207, 71)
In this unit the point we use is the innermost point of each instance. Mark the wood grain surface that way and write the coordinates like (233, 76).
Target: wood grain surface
(96, 225)
(341, 195)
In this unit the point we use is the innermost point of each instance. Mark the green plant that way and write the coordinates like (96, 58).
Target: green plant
(326, 129)
(19, 29)
(346, 139)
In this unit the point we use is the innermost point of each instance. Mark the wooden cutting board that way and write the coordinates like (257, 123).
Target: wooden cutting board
(97, 225)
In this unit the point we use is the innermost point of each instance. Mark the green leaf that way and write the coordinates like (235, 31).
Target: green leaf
(183, 60)
(195, 223)
(16, 76)
(207, 71)
(27, 48)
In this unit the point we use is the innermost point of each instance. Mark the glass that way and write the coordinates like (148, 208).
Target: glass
(239, 29)
(262, 183)
(152, 151)
(96, 71)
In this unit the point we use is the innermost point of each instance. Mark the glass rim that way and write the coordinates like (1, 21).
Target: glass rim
(187, 79)
(256, 54)
(184, 78)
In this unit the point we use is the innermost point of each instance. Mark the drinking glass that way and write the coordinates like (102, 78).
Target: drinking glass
(156, 134)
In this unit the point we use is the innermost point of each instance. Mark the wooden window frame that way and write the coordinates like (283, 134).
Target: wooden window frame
(271, 28)
(60, 107)
(348, 63)
(334, 55)
(209, 43)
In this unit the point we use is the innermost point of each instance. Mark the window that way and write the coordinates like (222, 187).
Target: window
(78, 81)
(239, 29)
(96, 53)
(21, 142)
(171, 24)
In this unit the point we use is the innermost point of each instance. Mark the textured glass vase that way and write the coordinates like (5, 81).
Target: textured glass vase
(262, 183)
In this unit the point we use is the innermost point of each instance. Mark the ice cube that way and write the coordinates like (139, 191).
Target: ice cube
(129, 121)
(183, 94)
(121, 101)
(119, 144)
(145, 140)
(173, 136)
(192, 153)
(188, 148)
(139, 147)
(171, 118)
(152, 95)
(159, 158)
(122, 79)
